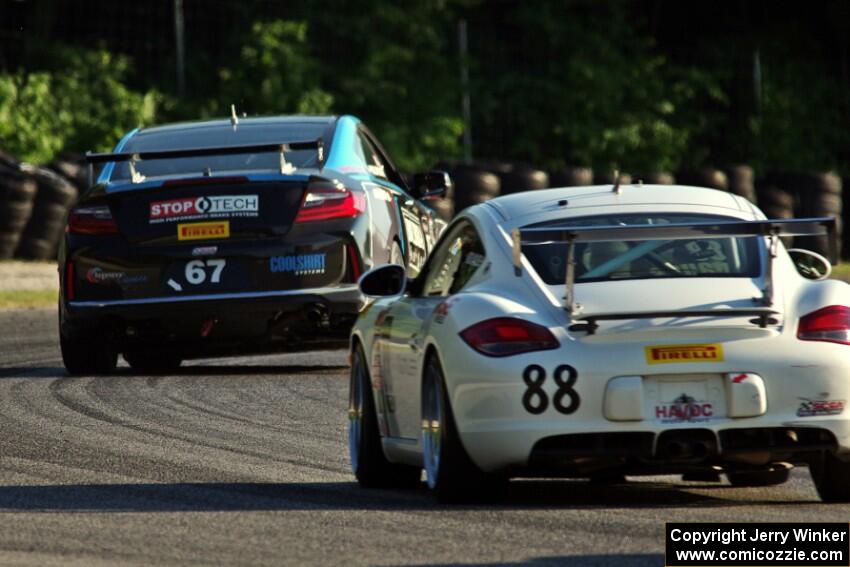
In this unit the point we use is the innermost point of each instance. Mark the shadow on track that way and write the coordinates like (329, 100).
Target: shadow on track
(636, 559)
(233, 496)
(206, 370)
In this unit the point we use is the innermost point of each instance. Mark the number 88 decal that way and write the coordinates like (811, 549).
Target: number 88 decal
(535, 400)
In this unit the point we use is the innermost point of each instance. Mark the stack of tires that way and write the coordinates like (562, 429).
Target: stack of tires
(845, 234)
(40, 237)
(17, 190)
(704, 177)
(571, 177)
(741, 181)
(819, 195)
(775, 199)
(473, 185)
(657, 178)
(521, 177)
(609, 177)
(445, 206)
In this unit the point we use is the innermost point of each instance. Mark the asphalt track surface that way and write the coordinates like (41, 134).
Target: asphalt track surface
(244, 462)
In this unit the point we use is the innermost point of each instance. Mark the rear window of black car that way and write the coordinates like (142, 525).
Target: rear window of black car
(245, 134)
(624, 260)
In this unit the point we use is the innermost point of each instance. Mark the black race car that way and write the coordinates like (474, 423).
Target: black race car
(231, 237)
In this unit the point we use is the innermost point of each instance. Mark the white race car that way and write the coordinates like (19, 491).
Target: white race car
(600, 332)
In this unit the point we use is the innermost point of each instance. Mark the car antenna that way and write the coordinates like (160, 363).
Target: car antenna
(234, 120)
(616, 181)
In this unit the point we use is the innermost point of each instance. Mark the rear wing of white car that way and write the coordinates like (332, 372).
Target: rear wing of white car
(773, 230)
(133, 157)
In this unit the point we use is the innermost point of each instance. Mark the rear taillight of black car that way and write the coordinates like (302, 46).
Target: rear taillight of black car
(91, 219)
(327, 200)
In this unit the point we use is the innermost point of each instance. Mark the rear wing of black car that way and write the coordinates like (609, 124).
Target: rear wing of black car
(773, 230)
(133, 157)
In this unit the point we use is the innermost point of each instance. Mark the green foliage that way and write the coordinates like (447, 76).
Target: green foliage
(588, 90)
(393, 65)
(275, 73)
(30, 127)
(554, 83)
(800, 127)
(84, 106)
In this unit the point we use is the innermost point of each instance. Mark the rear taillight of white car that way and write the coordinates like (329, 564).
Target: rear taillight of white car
(830, 324)
(506, 336)
(328, 200)
(91, 219)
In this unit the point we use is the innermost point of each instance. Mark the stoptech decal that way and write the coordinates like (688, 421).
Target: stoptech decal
(219, 206)
(203, 230)
(666, 354)
(814, 408)
(298, 264)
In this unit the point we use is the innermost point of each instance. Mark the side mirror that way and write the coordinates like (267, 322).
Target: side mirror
(383, 281)
(431, 185)
(810, 265)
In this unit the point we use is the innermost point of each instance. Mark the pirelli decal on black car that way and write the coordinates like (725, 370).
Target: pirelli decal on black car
(192, 208)
(203, 230)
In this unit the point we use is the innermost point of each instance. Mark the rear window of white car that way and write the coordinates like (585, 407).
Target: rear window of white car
(624, 260)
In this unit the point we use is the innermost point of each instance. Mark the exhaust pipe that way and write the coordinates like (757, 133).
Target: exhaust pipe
(686, 449)
(317, 313)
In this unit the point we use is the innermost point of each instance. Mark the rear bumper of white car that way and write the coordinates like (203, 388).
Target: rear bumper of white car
(768, 399)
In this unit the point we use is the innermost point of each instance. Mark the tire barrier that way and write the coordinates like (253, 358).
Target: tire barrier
(742, 181)
(40, 238)
(17, 190)
(473, 185)
(521, 178)
(571, 177)
(607, 178)
(72, 168)
(845, 236)
(444, 207)
(704, 177)
(819, 194)
(774, 200)
(657, 178)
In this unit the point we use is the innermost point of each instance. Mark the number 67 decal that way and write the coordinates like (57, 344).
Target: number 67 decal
(196, 270)
(535, 400)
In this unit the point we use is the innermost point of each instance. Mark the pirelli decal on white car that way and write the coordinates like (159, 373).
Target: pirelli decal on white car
(190, 208)
(667, 354)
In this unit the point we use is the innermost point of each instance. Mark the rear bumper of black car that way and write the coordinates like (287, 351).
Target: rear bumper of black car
(221, 324)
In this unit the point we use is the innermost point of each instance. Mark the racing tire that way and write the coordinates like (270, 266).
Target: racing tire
(777, 474)
(831, 478)
(742, 181)
(449, 472)
(370, 465)
(87, 357)
(608, 178)
(571, 177)
(705, 177)
(521, 178)
(151, 361)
